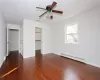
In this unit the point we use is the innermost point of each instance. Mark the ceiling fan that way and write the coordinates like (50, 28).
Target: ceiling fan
(49, 8)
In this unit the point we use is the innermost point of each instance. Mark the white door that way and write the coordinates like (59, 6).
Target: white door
(13, 40)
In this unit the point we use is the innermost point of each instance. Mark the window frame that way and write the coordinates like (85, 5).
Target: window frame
(70, 34)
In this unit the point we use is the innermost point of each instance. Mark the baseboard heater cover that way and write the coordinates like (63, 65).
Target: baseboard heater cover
(78, 59)
(73, 57)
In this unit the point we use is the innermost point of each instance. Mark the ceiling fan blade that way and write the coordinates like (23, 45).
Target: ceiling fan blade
(40, 8)
(56, 11)
(53, 5)
(43, 14)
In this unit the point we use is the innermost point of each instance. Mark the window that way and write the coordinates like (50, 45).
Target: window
(71, 34)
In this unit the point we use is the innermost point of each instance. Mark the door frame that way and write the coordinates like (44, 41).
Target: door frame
(41, 39)
(13, 28)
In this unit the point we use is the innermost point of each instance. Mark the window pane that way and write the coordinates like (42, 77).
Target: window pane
(72, 29)
(72, 39)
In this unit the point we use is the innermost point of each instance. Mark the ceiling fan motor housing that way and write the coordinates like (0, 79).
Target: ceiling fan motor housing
(48, 8)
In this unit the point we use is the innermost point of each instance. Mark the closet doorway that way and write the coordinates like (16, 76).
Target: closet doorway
(38, 40)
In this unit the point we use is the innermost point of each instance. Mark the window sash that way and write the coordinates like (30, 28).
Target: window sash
(74, 39)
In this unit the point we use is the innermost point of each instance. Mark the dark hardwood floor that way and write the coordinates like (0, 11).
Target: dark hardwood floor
(47, 67)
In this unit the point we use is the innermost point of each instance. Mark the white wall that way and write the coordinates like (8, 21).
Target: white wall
(13, 40)
(88, 33)
(29, 38)
(2, 39)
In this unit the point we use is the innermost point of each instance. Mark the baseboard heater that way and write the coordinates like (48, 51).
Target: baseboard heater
(73, 57)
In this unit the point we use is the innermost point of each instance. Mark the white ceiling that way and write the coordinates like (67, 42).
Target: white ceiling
(17, 10)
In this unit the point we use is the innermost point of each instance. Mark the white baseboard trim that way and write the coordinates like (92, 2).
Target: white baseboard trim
(0, 65)
(93, 64)
(2, 61)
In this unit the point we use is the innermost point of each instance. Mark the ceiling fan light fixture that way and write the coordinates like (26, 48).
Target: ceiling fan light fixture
(51, 17)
